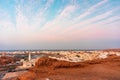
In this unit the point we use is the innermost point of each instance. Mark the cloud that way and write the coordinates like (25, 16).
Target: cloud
(98, 31)
(24, 29)
(91, 9)
(48, 4)
(27, 20)
(93, 20)
(66, 11)
(6, 25)
(21, 21)
(60, 19)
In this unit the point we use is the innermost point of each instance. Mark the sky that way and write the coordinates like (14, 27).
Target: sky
(59, 24)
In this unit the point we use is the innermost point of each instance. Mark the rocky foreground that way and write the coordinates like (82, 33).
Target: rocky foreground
(52, 69)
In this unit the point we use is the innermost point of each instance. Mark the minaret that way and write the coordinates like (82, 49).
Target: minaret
(29, 56)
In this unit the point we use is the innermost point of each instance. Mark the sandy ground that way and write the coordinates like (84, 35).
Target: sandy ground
(10, 75)
(48, 69)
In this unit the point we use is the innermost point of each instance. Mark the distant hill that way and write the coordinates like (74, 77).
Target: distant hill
(115, 50)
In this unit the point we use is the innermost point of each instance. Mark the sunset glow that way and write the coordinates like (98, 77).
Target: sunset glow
(59, 24)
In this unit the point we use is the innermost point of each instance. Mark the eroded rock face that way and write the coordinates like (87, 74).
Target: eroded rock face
(103, 69)
(45, 62)
(54, 64)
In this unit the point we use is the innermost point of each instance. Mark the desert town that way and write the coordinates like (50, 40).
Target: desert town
(27, 59)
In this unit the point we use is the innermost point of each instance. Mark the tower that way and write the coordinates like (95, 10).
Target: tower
(29, 56)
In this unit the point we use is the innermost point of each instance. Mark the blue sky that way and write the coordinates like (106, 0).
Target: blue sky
(59, 24)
